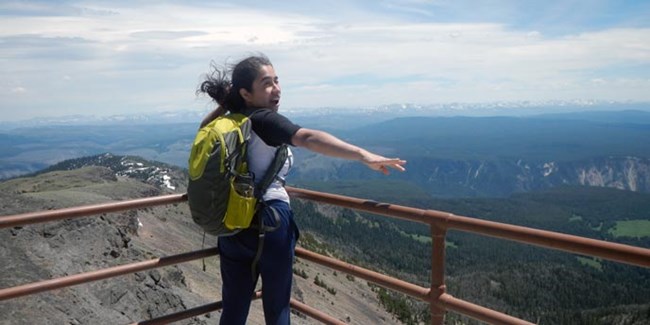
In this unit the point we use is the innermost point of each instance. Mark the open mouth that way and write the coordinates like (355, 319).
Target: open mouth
(275, 102)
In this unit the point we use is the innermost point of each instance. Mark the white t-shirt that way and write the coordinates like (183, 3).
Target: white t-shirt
(270, 130)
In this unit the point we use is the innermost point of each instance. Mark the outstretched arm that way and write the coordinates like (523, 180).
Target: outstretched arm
(327, 144)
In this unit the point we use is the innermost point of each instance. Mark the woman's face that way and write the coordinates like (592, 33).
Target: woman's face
(265, 91)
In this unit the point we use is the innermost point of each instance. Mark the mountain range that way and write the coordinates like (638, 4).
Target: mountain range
(447, 156)
(521, 280)
(584, 173)
(372, 114)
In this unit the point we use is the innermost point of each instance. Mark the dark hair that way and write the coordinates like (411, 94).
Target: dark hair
(224, 90)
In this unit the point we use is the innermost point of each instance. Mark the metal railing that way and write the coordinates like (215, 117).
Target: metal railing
(440, 302)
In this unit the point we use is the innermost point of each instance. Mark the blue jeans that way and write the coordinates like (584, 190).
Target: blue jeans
(275, 266)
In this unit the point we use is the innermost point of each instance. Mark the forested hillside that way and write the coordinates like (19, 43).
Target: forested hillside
(529, 282)
(525, 281)
(585, 174)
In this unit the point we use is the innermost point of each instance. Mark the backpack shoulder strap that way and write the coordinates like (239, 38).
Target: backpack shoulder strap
(276, 165)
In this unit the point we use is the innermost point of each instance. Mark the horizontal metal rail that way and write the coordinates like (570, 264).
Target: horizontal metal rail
(611, 251)
(446, 301)
(87, 210)
(185, 314)
(557, 241)
(574, 244)
(315, 313)
(66, 281)
(478, 312)
(437, 220)
(378, 278)
(215, 306)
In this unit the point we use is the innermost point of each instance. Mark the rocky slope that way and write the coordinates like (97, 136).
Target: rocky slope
(54, 249)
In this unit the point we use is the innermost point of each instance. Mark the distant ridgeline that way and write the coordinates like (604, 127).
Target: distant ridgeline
(489, 178)
(447, 156)
(498, 156)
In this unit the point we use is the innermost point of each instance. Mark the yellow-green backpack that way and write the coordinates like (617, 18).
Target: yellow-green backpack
(221, 193)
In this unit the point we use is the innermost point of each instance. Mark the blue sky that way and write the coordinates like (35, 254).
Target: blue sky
(102, 58)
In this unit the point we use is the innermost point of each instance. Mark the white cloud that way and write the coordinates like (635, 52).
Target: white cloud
(18, 90)
(119, 56)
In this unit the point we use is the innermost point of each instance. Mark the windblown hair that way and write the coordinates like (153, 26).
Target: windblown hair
(224, 90)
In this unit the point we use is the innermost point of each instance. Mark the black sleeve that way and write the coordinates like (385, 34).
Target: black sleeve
(274, 129)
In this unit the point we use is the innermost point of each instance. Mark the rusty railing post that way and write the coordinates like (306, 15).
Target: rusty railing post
(438, 287)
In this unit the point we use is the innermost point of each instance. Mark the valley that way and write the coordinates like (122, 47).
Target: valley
(586, 174)
(448, 156)
(513, 278)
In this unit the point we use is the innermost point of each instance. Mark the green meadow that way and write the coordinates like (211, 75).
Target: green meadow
(631, 228)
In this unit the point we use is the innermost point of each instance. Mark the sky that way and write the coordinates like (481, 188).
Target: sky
(102, 58)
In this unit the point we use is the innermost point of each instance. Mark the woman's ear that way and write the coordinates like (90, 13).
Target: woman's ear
(245, 94)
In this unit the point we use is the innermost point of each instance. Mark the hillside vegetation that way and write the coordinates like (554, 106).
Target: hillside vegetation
(54, 249)
(585, 173)
(525, 281)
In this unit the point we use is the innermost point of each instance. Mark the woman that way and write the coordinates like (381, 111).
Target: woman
(254, 90)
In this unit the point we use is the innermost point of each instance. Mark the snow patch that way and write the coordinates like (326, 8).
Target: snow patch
(549, 168)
